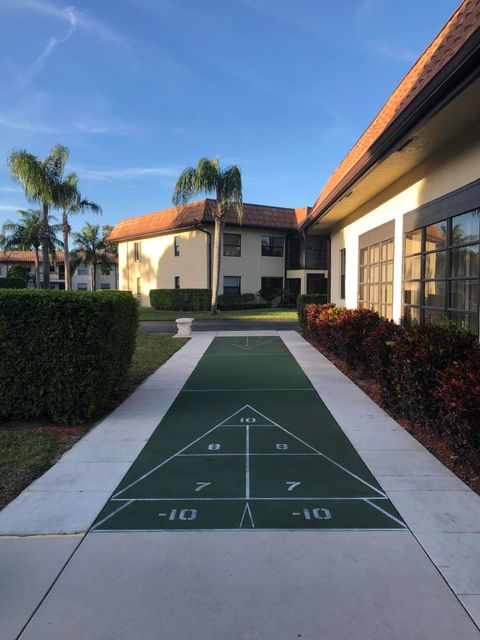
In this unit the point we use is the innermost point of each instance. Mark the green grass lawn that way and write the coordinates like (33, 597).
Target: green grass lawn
(30, 447)
(152, 350)
(148, 313)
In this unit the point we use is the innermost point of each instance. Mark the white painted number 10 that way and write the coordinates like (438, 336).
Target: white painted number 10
(317, 514)
(249, 420)
(182, 514)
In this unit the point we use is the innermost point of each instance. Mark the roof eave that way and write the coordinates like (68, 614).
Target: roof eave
(462, 69)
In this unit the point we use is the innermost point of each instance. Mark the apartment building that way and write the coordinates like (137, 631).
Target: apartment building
(106, 278)
(396, 228)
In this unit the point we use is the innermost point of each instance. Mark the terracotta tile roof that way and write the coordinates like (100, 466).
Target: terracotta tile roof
(459, 28)
(255, 215)
(29, 256)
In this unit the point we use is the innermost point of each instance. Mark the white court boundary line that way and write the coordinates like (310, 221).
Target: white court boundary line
(220, 424)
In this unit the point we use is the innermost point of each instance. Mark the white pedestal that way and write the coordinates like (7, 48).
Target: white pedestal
(184, 328)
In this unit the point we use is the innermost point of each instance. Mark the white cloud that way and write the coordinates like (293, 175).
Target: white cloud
(402, 55)
(9, 207)
(10, 190)
(82, 20)
(127, 172)
(114, 126)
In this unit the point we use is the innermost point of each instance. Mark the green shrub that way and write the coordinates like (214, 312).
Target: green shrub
(12, 283)
(236, 298)
(303, 300)
(244, 307)
(19, 271)
(181, 299)
(62, 354)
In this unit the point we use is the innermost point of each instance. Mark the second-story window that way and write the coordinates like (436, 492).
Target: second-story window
(82, 270)
(272, 246)
(176, 245)
(232, 246)
(137, 252)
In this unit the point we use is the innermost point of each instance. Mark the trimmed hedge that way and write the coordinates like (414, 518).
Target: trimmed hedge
(244, 306)
(429, 374)
(236, 298)
(12, 283)
(304, 299)
(181, 299)
(62, 354)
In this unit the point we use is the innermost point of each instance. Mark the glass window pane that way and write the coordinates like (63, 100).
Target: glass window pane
(435, 264)
(412, 268)
(413, 242)
(434, 294)
(374, 273)
(436, 236)
(363, 256)
(387, 272)
(411, 315)
(434, 317)
(411, 293)
(465, 227)
(465, 321)
(362, 274)
(465, 261)
(374, 254)
(464, 294)
(361, 292)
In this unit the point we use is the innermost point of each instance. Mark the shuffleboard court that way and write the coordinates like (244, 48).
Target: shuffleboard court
(248, 443)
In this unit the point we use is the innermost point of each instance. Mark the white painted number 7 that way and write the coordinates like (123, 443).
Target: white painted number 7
(291, 485)
(202, 485)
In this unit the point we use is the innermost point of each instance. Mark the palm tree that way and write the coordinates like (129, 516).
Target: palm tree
(207, 177)
(90, 249)
(71, 202)
(26, 234)
(41, 180)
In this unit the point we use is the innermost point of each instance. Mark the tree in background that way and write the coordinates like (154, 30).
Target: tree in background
(91, 249)
(226, 185)
(41, 181)
(71, 203)
(26, 235)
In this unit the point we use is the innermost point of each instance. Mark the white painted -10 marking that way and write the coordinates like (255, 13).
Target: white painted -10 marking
(182, 514)
(316, 513)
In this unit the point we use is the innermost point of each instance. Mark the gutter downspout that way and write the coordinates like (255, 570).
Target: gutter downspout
(209, 241)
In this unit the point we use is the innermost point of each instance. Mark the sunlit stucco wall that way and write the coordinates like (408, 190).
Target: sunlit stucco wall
(457, 165)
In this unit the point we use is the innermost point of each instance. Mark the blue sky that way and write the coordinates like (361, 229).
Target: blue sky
(140, 89)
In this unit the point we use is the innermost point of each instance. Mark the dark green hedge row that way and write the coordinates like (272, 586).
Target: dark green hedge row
(236, 298)
(181, 299)
(244, 306)
(12, 283)
(429, 374)
(62, 354)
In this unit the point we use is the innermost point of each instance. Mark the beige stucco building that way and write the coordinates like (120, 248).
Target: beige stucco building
(396, 228)
(172, 248)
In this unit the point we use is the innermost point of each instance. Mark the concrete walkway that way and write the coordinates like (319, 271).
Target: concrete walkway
(169, 326)
(58, 581)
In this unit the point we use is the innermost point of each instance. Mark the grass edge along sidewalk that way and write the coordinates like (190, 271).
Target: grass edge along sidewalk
(28, 448)
(248, 443)
(270, 314)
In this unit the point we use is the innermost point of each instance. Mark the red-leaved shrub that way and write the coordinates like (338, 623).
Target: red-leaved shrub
(457, 399)
(418, 356)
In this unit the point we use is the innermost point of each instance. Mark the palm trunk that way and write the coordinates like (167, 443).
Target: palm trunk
(45, 246)
(37, 269)
(94, 276)
(216, 263)
(66, 254)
